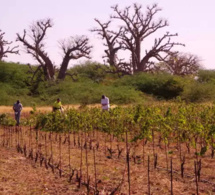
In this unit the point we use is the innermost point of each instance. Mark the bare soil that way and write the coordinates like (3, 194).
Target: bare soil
(20, 176)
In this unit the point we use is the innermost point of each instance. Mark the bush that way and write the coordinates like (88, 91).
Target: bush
(163, 86)
(6, 120)
(206, 76)
(93, 81)
(90, 70)
(13, 74)
(89, 92)
(199, 92)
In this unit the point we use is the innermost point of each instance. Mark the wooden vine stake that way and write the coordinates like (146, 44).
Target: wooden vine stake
(196, 177)
(143, 144)
(60, 155)
(87, 165)
(80, 177)
(69, 151)
(149, 175)
(182, 167)
(171, 177)
(128, 163)
(166, 152)
(95, 173)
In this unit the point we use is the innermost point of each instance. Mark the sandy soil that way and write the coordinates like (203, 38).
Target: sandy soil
(9, 109)
(20, 176)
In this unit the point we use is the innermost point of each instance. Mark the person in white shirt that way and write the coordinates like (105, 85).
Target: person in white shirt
(105, 103)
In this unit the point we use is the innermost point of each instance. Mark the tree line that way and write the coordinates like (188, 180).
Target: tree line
(135, 27)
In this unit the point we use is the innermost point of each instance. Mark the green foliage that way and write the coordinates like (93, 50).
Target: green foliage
(91, 70)
(93, 81)
(163, 86)
(13, 78)
(186, 123)
(206, 76)
(89, 92)
(6, 120)
(199, 92)
(13, 74)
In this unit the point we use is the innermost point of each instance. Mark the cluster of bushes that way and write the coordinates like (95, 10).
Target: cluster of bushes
(6, 120)
(91, 80)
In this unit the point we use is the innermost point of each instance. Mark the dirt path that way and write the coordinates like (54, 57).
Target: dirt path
(19, 176)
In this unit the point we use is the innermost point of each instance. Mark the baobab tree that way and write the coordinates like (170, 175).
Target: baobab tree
(73, 48)
(5, 49)
(135, 28)
(113, 45)
(36, 47)
(182, 64)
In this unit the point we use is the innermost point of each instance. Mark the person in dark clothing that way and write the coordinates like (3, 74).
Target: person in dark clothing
(17, 107)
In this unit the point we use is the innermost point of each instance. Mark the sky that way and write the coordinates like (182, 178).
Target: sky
(193, 20)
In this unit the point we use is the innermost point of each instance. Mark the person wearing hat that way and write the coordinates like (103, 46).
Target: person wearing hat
(17, 107)
(105, 103)
(57, 105)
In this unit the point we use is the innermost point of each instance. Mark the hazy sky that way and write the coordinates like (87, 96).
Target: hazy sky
(193, 20)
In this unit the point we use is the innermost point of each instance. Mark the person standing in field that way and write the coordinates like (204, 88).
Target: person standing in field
(57, 106)
(17, 107)
(105, 103)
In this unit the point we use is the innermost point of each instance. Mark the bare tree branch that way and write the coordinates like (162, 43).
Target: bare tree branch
(5, 48)
(181, 64)
(159, 51)
(135, 28)
(73, 48)
(111, 42)
(35, 45)
(72, 76)
(113, 46)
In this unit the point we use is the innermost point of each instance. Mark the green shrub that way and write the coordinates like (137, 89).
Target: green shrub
(205, 76)
(14, 74)
(6, 120)
(163, 86)
(93, 81)
(89, 92)
(90, 70)
(199, 92)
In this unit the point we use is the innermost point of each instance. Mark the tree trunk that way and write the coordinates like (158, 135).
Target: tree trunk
(63, 68)
(48, 67)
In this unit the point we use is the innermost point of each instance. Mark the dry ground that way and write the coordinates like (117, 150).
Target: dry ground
(9, 109)
(19, 175)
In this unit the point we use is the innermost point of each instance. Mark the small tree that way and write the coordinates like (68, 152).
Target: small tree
(5, 48)
(182, 64)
